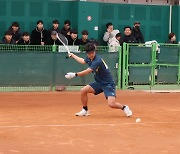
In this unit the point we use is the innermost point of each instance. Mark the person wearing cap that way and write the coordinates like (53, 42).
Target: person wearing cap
(104, 81)
(39, 35)
(25, 40)
(110, 33)
(53, 40)
(84, 40)
(73, 38)
(15, 29)
(7, 39)
(67, 28)
(55, 26)
(136, 32)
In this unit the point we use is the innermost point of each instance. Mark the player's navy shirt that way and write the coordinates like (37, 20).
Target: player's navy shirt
(100, 70)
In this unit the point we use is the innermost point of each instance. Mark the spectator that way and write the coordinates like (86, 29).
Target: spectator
(15, 29)
(55, 27)
(136, 32)
(66, 29)
(39, 34)
(84, 38)
(115, 41)
(8, 38)
(171, 38)
(72, 38)
(25, 40)
(128, 38)
(110, 33)
(53, 40)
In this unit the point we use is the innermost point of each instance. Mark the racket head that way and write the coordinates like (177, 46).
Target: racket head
(63, 38)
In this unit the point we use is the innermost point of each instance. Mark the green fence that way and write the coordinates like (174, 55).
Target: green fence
(151, 66)
(40, 68)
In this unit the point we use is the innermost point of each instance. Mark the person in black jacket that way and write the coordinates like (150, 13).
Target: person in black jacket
(7, 39)
(15, 29)
(136, 32)
(55, 27)
(53, 40)
(66, 29)
(84, 40)
(39, 35)
(25, 40)
(73, 38)
(128, 38)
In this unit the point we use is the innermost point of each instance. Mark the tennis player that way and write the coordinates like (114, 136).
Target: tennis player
(103, 81)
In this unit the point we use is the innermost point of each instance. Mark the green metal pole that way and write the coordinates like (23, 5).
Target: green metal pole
(119, 67)
(127, 64)
(153, 64)
(179, 68)
(123, 64)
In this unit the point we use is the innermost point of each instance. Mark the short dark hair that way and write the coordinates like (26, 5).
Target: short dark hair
(25, 34)
(127, 27)
(89, 47)
(15, 24)
(55, 22)
(67, 22)
(171, 35)
(73, 31)
(84, 32)
(109, 24)
(137, 22)
(40, 21)
(8, 32)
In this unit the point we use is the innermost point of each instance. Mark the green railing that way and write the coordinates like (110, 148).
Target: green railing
(146, 66)
(42, 68)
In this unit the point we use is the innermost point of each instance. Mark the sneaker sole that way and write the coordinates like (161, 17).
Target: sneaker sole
(82, 115)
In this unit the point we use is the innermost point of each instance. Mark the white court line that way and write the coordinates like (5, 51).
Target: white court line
(84, 125)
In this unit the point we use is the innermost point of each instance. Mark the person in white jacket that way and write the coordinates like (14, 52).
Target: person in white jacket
(110, 33)
(115, 41)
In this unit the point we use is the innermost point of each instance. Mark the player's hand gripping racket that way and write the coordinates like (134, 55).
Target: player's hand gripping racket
(64, 42)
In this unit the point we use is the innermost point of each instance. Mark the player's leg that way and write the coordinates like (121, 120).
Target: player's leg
(84, 99)
(110, 93)
(91, 88)
(113, 104)
(84, 91)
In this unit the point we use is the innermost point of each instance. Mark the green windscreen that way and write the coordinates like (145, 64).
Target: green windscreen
(37, 68)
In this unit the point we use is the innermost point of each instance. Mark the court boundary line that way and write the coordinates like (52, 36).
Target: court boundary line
(85, 125)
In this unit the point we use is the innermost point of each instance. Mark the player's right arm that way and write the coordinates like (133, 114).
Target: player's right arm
(78, 59)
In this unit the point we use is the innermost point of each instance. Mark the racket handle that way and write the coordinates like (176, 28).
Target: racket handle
(68, 57)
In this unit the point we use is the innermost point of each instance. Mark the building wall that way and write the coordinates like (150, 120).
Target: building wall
(154, 18)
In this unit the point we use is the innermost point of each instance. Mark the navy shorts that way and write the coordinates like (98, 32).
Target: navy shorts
(108, 89)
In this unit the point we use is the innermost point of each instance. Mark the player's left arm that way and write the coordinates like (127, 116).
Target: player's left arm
(84, 72)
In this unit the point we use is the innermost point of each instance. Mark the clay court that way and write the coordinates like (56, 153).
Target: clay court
(44, 123)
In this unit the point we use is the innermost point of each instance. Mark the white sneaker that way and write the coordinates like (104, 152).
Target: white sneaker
(83, 112)
(127, 111)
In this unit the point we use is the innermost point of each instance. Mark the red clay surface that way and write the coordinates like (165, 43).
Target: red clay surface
(45, 123)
